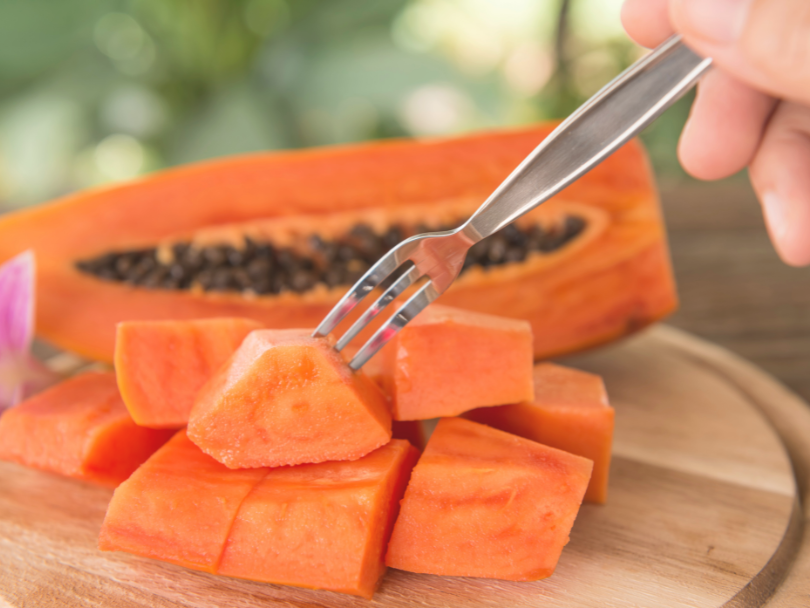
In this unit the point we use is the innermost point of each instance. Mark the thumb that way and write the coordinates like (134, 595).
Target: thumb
(764, 43)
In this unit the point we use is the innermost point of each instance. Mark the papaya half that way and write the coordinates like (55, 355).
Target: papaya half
(279, 237)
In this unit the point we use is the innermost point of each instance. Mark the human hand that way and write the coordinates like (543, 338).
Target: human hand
(754, 109)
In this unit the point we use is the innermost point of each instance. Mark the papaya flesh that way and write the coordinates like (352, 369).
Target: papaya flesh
(287, 398)
(447, 361)
(322, 526)
(178, 507)
(485, 503)
(597, 269)
(570, 412)
(79, 428)
(161, 365)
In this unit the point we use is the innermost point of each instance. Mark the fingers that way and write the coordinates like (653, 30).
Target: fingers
(647, 21)
(780, 174)
(764, 43)
(724, 128)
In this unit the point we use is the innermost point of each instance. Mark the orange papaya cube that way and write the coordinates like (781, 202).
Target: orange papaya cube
(162, 365)
(177, 507)
(287, 398)
(570, 412)
(410, 430)
(485, 503)
(447, 361)
(79, 428)
(321, 526)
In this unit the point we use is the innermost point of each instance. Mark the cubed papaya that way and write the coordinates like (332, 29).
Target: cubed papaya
(79, 428)
(419, 368)
(178, 507)
(162, 365)
(570, 412)
(485, 503)
(287, 398)
(323, 526)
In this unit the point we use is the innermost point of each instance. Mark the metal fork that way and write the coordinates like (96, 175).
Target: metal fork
(605, 122)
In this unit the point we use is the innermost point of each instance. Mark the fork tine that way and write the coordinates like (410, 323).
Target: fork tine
(377, 273)
(415, 304)
(400, 285)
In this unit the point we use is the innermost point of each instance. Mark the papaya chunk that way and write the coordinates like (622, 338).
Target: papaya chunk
(322, 526)
(177, 507)
(286, 398)
(485, 503)
(570, 412)
(162, 365)
(421, 364)
(79, 428)
(588, 266)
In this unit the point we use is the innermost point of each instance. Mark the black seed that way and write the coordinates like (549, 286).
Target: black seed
(287, 261)
(206, 279)
(303, 281)
(334, 276)
(235, 256)
(346, 253)
(514, 236)
(215, 256)
(392, 237)
(222, 279)
(180, 250)
(515, 254)
(497, 249)
(573, 226)
(155, 277)
(260, 268)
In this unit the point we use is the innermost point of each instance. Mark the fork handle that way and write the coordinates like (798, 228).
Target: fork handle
(609, 119)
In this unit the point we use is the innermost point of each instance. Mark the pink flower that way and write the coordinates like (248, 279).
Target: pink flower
(21, 374)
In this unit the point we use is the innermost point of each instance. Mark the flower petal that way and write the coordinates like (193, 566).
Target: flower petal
(17, 305)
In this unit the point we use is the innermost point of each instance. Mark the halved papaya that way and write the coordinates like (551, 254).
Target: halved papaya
(278, 237)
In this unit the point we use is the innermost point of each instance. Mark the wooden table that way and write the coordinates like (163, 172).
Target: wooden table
(734, 289)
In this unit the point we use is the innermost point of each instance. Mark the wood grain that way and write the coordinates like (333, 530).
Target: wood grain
(701, 510)
(734, 289)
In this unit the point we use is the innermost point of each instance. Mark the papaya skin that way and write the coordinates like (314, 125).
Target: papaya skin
(606, 284)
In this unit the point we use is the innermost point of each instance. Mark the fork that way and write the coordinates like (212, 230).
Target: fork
(601, 125)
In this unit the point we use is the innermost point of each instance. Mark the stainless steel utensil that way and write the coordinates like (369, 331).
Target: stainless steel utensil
(606, 121)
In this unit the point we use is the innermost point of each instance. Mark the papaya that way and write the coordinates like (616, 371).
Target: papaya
(287, 398)
(278, 237)
(79, 428)
(161, 365)
(322, 526)
(178, 507)
(489, 504)
(570, 412)
(447, 361)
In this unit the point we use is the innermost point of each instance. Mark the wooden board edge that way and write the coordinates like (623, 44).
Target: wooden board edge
(780, 583)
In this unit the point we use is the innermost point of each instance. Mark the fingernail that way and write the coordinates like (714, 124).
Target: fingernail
(720, 21)
(776, 214)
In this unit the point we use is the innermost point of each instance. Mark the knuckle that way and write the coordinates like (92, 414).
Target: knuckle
(778, 38)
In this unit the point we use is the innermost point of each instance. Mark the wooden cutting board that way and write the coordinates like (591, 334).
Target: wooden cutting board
(703, 510)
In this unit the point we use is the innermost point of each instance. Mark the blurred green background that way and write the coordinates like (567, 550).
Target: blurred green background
(93, 91)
